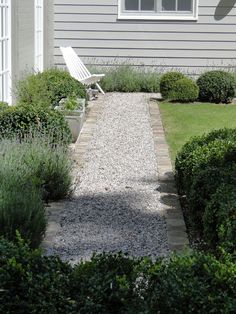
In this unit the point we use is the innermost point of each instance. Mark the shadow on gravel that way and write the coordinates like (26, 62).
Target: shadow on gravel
(111, 222)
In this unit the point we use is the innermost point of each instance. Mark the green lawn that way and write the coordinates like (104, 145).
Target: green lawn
(182, 121)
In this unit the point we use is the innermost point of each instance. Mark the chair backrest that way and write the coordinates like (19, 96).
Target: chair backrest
(74, 64)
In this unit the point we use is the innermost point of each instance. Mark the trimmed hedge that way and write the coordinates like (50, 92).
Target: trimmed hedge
(168, 81)
(48, 88)
(186, 155)
(219, 219)
(22, 120)
(191, 283)
(216, 86)
(184, 90)
(204, 186)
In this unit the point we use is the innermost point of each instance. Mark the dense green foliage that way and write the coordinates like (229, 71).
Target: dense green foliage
(32, 283)
(3, 106)
(168, 81)
(48, 88)
(22, 120)
(190, 283)
(205, 168)
(184, 90)
(219, 218)
(128, 79)
(216, 86)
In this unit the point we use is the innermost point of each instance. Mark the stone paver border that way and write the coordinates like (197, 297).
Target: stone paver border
(176, 229)
(78, 151)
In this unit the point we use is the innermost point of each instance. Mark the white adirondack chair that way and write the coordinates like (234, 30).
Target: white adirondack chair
(78, 70)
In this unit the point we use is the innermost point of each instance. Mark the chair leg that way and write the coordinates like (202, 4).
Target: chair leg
(99, 87)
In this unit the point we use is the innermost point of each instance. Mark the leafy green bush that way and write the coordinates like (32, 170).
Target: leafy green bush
(189, 283)
(3, 106)
(35, 162)
(21, 120)
(204, 185)
(184, 90)
(186, 154)
(48, 88)
(168, 81)
(219, 218)
(216, 86)
(127, 79)
(106, 284)
(193, 283)
(33, 283)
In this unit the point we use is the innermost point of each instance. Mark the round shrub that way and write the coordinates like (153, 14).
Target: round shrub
(33, 283)
(188, 149)
(216, 86)
(168, 81)
(204, 185)
(21, 120)
(48, 88)
(219, 219)
(216, 153)
(184, 90)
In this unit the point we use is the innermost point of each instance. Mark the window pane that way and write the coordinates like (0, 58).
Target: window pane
(147, 5)
(168, 5)
(132, 5)
(184, 5)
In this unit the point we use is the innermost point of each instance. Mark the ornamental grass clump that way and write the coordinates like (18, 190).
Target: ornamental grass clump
(126, 78)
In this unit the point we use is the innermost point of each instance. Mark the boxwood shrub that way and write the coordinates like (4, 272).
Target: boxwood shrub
(168, 81)
(204, 185)
(184, 90)
(219, 219)
(31, 282)
(187, 152)
(216, 86)
(22, 120)
(189, 283)
(48, 88)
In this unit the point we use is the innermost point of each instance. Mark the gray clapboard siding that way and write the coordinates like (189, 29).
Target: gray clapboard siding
(93, 29)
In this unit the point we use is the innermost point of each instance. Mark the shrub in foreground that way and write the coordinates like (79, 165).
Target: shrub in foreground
(184, 90)
(219, 219)
(33, 283)
(48, 88)
(3, 106)
(22, 120)
(168, 81)
(216, 86)
(189, 283)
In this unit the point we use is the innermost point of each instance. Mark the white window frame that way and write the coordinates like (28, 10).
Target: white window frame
(157, 14)
(5, 52)
(39, 35)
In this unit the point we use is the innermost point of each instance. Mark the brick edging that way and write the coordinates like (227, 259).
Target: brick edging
(176, 229)
(78, 151)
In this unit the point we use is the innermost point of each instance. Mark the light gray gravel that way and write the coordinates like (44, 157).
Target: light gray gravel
(116, 205)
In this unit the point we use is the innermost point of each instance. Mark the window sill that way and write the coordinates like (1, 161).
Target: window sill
(158, 17)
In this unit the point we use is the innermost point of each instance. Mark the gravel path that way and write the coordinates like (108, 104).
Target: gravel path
(116, 205)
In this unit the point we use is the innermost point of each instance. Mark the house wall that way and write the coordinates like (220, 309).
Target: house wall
(92, 28)
(23, 33)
